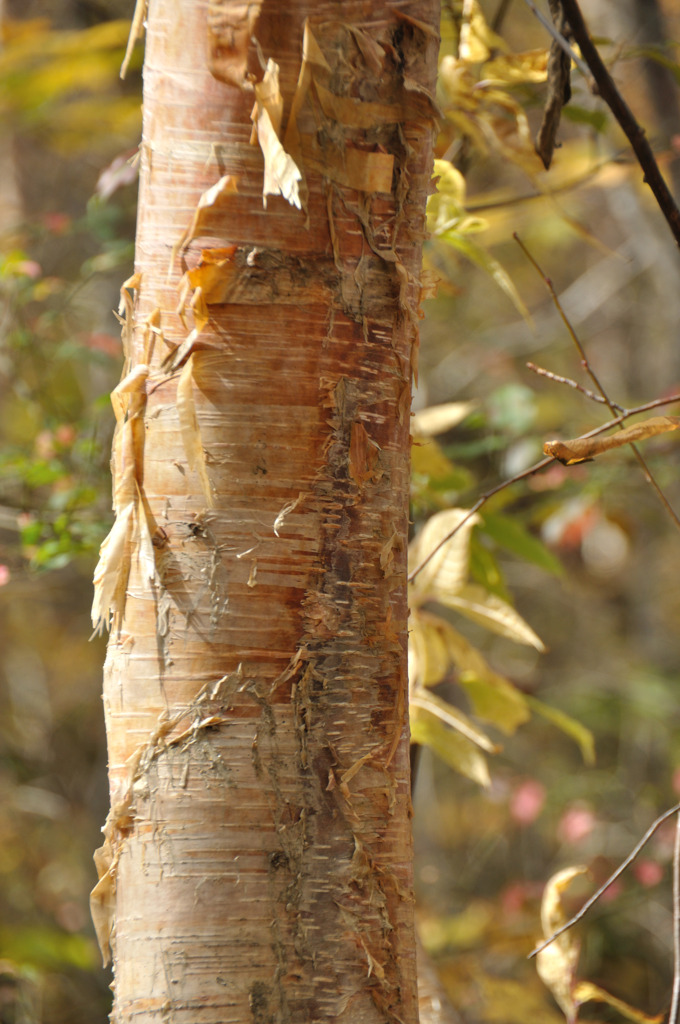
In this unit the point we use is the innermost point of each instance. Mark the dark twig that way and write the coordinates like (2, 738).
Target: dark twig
(624, 115)
(612, 406)
(612, 878)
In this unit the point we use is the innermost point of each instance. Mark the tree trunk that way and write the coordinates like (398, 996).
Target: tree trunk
(257, 856)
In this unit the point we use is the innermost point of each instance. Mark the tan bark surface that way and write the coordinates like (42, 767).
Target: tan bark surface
(257, 863)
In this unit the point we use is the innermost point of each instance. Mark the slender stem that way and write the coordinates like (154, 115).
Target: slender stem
(612, 406)
(612, 878)
(673, 1015)
(483, 498)
(569, 382)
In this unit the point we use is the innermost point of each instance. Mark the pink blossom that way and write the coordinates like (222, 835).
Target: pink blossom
(648, 872)
(576, 823)
(527, 801)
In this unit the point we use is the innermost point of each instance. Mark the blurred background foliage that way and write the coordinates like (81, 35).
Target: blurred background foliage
(585, 556)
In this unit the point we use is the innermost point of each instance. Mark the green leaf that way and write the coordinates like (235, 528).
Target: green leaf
(511, 535)
(568, 725)
(484, 569)
(485, 261)
(496, 700)
(493, 697)
(428, 459)
(596, 119)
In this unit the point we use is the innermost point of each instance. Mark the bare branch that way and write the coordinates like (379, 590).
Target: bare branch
(483, 498)
(612, 406)
(673, 1015)
(612, 878)
(569, 382)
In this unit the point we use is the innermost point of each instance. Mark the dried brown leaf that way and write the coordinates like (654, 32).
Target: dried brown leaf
(583, 449)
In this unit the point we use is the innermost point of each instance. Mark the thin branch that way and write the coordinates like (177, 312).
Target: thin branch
(612, 406)
(565, 320)
(673, 1015)
(612, 878)
(624, 115)
(570, 383)
(483, 498)
(627, 413)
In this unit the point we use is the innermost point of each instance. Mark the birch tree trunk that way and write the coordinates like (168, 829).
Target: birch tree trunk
(257, 856)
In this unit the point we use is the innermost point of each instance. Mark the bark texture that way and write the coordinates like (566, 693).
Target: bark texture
(257, 862)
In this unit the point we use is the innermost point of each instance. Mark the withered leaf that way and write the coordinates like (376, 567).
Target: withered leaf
(583, 449)
(556, 964)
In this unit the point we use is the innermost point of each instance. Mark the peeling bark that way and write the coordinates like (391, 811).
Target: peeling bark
(257, 857)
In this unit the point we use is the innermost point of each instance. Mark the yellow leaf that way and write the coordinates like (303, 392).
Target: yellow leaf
(446, 206)
(491, 611)
(583, 449)
(530, 66)
(428, 703)
(585, 992)
(454, 749)
(437, 419)
(556, 964)
(429, 659)
(447, 569)
(476, 38)
(428, 459)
